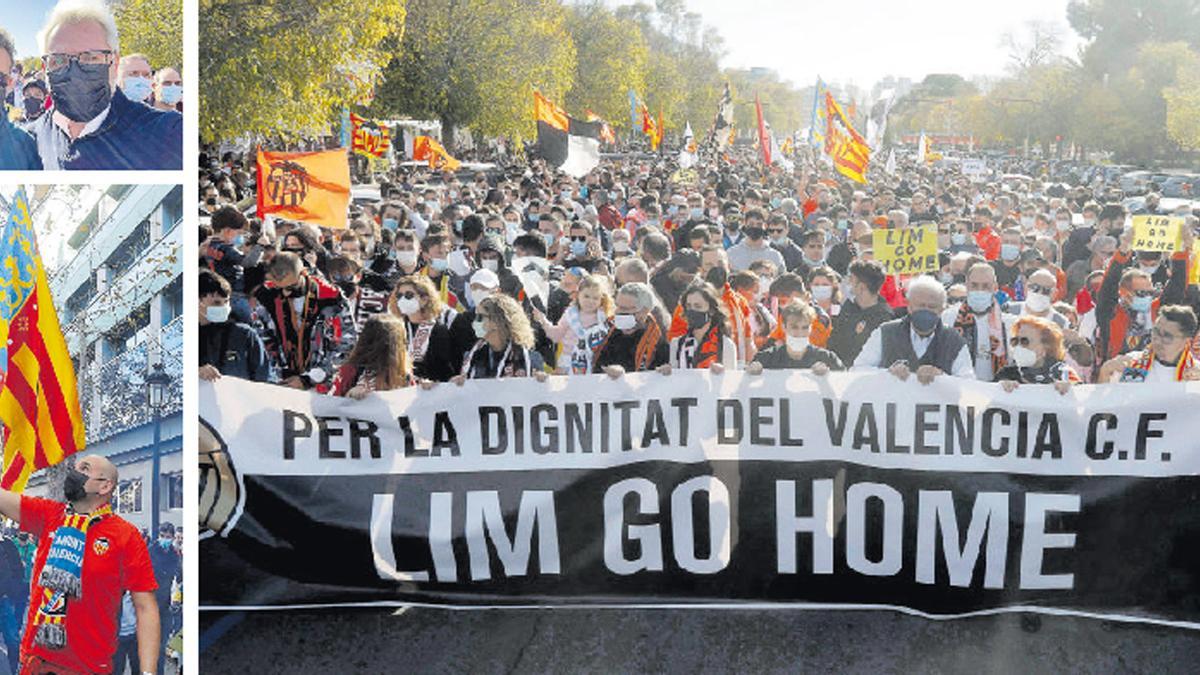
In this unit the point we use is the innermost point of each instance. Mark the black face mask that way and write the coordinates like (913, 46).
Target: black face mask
(348, 286)
(695, 318)
(33, 108)
(73, 485)
(81, 93)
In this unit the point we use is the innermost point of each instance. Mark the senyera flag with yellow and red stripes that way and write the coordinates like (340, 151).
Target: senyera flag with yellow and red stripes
(848, 150)
(39, 402)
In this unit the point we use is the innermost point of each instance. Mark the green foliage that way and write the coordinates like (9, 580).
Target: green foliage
(1183, 104)
(153, 28)
(611, 59)
(476, 63)
(282, 69)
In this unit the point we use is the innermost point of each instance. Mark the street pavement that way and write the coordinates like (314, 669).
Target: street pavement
(426, 640)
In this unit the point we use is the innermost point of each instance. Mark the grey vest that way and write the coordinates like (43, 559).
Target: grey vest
(897, 345)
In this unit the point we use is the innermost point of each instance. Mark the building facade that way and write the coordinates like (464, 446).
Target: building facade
(118, 288)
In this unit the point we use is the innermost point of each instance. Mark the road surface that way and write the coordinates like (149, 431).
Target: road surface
(424, 640)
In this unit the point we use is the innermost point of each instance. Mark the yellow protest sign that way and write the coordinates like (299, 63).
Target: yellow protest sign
(911, 250)
(1157, 233)
(1194, 264)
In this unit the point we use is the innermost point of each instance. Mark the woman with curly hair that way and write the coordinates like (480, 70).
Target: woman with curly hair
(417, 301)
(379, 361)
(706, 343)
(504, 347)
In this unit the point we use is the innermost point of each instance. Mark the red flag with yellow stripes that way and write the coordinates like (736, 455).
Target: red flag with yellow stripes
(39, 402)
(848, 150)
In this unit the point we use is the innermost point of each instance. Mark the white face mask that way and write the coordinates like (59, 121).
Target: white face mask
(620, 246)
(822, 293)
(1023, 357)
(478, 296)
(1037, 302)
(1063, 225)
(797, 344)
(624, 321)
(408, 306)
(457, 263)
(764, 285)
(477, 326)
(492, 265)
(406, 258)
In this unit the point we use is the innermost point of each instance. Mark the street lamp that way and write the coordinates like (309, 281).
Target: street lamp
(156, 395)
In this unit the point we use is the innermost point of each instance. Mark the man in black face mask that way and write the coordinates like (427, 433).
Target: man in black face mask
(918, 342)
(18, 152)
(34, 100)
(87, 557)
(93, 125)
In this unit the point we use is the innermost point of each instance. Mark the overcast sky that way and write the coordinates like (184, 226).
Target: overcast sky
(860, 42)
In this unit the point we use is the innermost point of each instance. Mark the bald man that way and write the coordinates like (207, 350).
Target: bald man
(87, 557)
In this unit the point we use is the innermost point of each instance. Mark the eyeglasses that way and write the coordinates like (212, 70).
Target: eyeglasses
(1164, 336)
(96, 57)
(1019, 341)
(1038, 288)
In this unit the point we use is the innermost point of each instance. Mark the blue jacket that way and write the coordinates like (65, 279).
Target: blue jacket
(18, 150)
(133, 137)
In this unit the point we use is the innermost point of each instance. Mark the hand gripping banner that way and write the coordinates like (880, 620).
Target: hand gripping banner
(783, 489)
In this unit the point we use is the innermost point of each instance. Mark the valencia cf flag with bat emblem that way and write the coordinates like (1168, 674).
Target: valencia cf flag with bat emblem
(571, 145)
(312, 187)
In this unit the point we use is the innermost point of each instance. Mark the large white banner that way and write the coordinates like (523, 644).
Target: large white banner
(851, 489)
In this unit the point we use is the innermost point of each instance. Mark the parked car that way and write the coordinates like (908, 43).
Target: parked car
(1136, 182)
(1181, 185)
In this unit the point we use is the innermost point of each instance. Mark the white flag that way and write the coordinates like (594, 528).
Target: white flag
(921, 149)
(890, 167)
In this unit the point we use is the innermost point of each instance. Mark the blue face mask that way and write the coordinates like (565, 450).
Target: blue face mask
(775, 201)
(239, 240)
(1010, 252)
(1141, 303)
(979, 301)
(843, 223)
(578, 248)
(391, 224)
(171, 94)
(136, 88)
(549, 237)
(958, 239)
(439, 264)
(697, 213)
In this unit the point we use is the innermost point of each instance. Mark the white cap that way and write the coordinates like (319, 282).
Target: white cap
(486, 279)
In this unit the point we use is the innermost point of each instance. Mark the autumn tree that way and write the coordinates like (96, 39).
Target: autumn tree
(476, 63)
(611, 59)
(285, 68)
(153, 28)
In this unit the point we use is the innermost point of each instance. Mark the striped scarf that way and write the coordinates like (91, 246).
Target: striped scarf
(1139, 370)
(965, 324)
(62, 575)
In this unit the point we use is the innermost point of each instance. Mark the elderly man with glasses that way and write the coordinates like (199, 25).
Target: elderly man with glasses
(93, 124)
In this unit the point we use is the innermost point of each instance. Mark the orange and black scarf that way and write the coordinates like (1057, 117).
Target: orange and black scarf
(964, 323)
(703, 353)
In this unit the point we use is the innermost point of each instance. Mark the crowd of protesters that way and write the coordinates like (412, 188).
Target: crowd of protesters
(520, 271)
